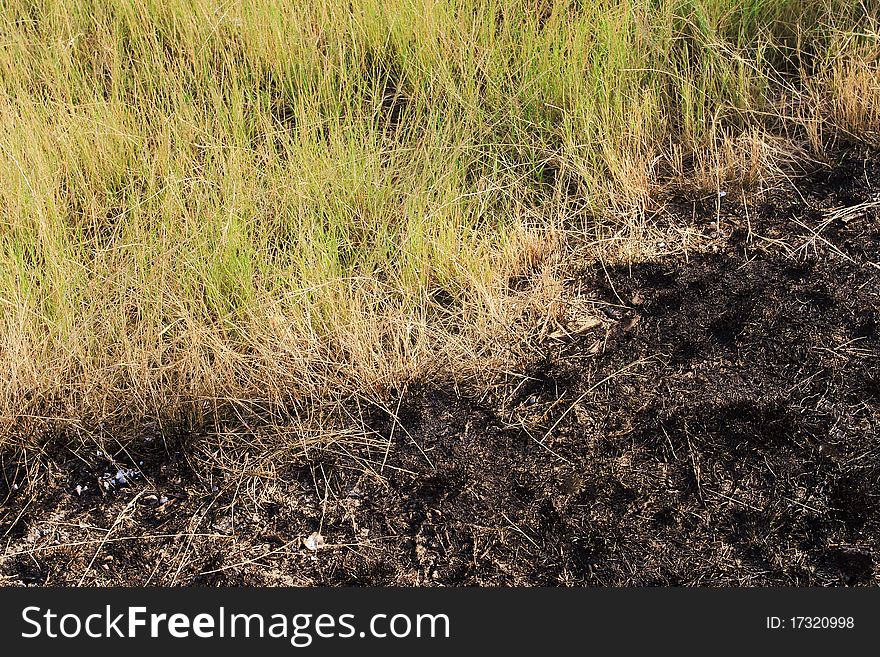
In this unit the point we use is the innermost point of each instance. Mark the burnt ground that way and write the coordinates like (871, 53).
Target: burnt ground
(709, 419)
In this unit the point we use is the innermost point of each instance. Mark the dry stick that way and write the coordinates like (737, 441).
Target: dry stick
(189, 538)
(801, 504)
(528, 433)
(18, 517)
(363, 463)
(104, 540)
(669, 440)
(391, 436)
(418, 447)
(696, 468)
(107, 535)
(284, 547)
(736, 501)
(93, 528)
(516, 527)
(610, 282)
(588, 391)
(184, 549)
(250, 561)
(816, 236)
(326, 497)
(390, 467)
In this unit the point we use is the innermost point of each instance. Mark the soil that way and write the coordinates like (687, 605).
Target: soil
(703, 419)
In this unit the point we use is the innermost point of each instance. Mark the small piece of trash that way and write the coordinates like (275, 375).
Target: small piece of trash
(124, 475)
(80, 489)
(314, 541)
(722, 194)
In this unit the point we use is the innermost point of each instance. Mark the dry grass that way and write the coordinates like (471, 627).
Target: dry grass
(271, 208)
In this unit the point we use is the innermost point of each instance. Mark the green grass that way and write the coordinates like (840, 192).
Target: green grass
(275, 201)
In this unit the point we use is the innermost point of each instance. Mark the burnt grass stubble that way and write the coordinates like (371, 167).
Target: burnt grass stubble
(734, 442)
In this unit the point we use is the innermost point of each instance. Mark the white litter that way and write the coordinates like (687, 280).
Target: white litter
(125, 475)
(314, 541)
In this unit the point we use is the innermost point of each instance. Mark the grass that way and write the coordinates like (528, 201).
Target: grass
(284, 204)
